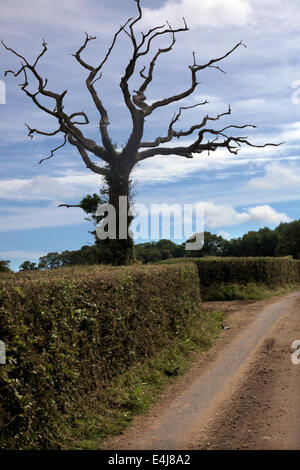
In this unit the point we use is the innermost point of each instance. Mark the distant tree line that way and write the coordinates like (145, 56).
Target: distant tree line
(4, 266)
(284, 240)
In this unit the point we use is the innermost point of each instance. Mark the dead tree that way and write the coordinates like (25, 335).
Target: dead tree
(118, 165)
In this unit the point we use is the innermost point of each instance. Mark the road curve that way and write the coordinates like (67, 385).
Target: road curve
(180, 423)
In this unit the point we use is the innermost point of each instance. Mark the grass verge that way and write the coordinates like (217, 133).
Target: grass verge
(108, 411)
(250, 291)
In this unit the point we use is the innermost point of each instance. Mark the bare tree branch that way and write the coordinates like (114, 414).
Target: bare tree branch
(213, 61)
(194, 69)
(202, 124)
(171, 132)
(69, 205)
(41, 54)
(81, 113)
(36, 131)
(160, 33)
(88, 162)
(54, 150)
(65, 121)
(134, 22)
(140, 49)
(140, 97)
(91, 80)
(138, 52)
(78, 56)
(232, 144)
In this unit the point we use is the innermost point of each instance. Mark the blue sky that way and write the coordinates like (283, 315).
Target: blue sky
(257, 188)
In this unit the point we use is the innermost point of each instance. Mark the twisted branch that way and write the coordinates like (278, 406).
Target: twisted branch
(66, 125)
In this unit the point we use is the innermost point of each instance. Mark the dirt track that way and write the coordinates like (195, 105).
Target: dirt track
(242, 393)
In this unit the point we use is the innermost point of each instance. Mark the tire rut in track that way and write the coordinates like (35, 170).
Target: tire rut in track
(264, 411)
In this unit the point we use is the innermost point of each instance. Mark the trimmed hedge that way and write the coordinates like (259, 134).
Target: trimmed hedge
(67, 336)
(241, 278)
(266, 270)
(269, 271)
(298, 269)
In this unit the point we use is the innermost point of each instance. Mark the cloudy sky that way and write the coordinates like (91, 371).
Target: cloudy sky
(257, 188)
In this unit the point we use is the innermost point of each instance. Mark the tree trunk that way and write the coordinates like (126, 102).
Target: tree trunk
(119, 251)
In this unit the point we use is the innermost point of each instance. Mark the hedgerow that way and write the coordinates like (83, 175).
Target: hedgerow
(270, 271)
(298, 269)
(242, 278)
(70, 331)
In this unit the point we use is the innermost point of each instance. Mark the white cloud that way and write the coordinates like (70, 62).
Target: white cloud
(267, 214)
(222, 215)
(72, 184)
(291, 132)
(270, 13)
(200, 13)
(170, 168)
(37, 188)
(209, 216)
(79, 178)
(277, 177)
(216, 215)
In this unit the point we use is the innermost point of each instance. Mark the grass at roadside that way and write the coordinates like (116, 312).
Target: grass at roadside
(250, 291)
(109, 411)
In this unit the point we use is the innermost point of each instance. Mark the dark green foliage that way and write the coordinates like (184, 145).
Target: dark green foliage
(118, 252)
(289, 239)
(90, 203)
(50, 261)
(4, 266)
(260, 243)
(87, 255)
(242, 278)
(283, 240)
(157, 251)
(70, 331)
(213, 246)
(147, 253)
(27, 266)
(298, 269)
(270, 271)
(101, 253)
